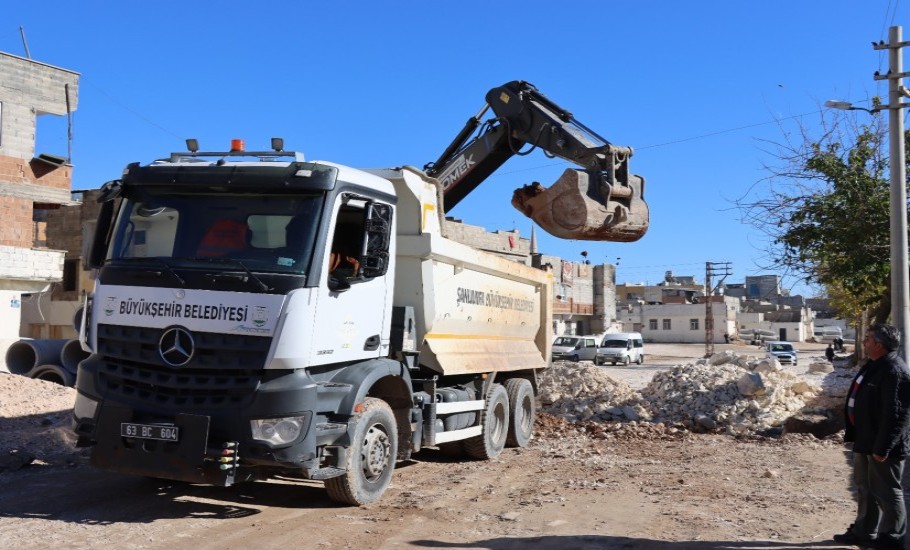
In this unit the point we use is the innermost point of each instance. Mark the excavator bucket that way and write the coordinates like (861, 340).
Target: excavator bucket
(583, 205)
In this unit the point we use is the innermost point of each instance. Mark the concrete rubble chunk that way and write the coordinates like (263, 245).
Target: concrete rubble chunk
(750, 384)
(821, 367)
(722, 358)
(766, 365)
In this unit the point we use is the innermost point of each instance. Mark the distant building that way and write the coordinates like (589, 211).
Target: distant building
(679, 323)
(763, 287)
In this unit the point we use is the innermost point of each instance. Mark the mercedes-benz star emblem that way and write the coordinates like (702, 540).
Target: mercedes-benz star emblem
(176, 346)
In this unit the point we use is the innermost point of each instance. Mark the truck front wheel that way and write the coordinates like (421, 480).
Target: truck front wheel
(522, 411)
(495, 422)
(371, 458)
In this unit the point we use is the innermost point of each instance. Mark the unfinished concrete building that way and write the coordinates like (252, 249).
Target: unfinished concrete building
(32, 183)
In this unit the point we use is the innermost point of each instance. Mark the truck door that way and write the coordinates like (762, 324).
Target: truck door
(354, 296)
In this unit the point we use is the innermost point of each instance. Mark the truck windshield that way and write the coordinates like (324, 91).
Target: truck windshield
(265, 233)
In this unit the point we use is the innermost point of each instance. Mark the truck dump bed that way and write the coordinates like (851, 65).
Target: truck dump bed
(475, 312)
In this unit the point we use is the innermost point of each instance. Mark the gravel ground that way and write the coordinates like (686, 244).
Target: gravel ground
(587, 484)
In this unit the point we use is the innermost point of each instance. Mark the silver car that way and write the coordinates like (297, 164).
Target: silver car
(783, 352)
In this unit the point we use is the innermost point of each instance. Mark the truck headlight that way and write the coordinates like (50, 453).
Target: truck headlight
(85, 407)
(278, 431)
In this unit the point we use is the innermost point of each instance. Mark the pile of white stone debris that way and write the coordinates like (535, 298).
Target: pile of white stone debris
(728, 392)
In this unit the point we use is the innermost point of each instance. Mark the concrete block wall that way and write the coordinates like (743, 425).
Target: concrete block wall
(509, 244)
(30, 265)
(30, 89)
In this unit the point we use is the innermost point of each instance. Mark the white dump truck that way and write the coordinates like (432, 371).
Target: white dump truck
(258, 314)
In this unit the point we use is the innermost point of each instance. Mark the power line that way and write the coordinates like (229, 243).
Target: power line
(132, 111)
(681, 140)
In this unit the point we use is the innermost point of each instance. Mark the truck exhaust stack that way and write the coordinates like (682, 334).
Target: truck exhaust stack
(582, 205)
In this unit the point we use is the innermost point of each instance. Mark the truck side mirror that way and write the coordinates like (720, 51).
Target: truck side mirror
(109, 192)
(378, 226)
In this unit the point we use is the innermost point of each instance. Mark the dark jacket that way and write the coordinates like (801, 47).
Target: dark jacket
(882, 409)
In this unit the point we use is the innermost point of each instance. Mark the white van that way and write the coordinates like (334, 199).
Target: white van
(574, 348)
(621, 347)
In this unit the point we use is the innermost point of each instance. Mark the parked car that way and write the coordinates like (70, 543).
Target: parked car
(783, 351)
(621, 347)
(574, 348)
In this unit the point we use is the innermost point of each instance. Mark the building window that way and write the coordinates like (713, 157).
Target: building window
(652, 324)
(693, 324)
(70, 275)
(666, 324)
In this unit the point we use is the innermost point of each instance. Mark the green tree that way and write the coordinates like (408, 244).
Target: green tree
(825, 209)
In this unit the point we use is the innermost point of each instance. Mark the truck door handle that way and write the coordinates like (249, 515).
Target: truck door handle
(372, 343)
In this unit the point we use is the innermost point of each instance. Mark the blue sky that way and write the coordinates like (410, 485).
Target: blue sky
(698, 89)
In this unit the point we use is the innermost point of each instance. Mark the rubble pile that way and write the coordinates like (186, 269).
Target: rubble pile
(583, 392)
(737, 394)
(740, 399)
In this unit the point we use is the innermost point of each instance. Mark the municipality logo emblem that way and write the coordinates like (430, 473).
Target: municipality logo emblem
(109, 306)
(260, 315)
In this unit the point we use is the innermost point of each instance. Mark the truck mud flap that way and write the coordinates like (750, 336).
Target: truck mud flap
(588, 206)
(181, 460)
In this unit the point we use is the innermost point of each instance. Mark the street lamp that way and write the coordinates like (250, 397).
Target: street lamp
(847, 106)
(900, 281)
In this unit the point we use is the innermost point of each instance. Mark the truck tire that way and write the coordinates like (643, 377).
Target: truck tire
(495, 422)
(522, 412)
(640, 360)
(370, 460)
(626, 361)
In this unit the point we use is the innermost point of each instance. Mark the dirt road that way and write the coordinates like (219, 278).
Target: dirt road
(596, 485)
(639, 487)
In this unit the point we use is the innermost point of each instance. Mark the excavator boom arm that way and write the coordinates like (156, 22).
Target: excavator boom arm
(601, 201)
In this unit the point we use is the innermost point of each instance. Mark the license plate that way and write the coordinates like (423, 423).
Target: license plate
(150, 431)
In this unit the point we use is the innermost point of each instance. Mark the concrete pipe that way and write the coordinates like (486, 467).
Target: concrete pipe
(71, 355)
(23, 356)
(55, 374)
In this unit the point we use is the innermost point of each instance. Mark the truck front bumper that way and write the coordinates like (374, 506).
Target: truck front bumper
(210, 446)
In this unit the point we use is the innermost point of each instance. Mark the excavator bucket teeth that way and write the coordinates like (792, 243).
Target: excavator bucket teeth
(581, 205)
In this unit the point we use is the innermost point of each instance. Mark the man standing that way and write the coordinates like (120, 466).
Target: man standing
(878, 424)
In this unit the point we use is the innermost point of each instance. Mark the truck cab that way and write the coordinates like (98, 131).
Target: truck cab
(257, 314)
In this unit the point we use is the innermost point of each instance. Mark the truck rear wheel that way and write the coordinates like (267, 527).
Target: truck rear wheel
(370, 460)
(495, 422)
(522, 412)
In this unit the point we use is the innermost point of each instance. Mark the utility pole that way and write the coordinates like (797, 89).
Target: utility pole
(712, 268)
(900, 285)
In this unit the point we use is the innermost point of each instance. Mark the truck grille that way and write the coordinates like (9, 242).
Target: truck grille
(224, 371)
